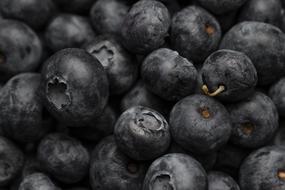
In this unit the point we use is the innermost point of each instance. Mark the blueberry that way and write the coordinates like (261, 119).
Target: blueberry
(279, 138)
(221, 6)
(37, 181)
(111, 169)
(264, 169)
(195, 33)
(75, 6)
(268, 11)
(228, 75)
(20, 48)
(168, 75)
(145, 26)
(101, 127)
(139, 95)
(200, 124)
(142, 133)
(263, 44)
(107, 16)
(120, 66)
(221, 181)
(175, 171)
(11, 161)
(63, 157)
(229, 159)
(254, 121)
(74, 87)
(33, 12)
(22, 116)
(68, 31)
(277, 93)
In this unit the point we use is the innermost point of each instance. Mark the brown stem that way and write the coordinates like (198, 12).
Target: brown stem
(212, 94)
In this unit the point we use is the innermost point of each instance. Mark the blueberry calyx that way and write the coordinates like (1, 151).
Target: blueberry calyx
(149, 121)
(204, 111)
(220, 89)
(57, 93)
(104, 55)
(281, 174)
(210, 29)
(247, 128)
(162, 181)
(132, 168)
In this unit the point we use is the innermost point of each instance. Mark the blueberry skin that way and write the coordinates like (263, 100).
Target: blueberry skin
(220, 180)
(142, 133)
(168, 75)
(145, 26)
(20, 48)
(68, 31)
(11, 162)
(121, 68)
(34, 13)
(268, 11)
(232, 69)
(74, 87)
(234, 157)
(263, 44)
(107, 16)
(277, 93)
(261, 169)
(37, 181)
(195, 33)
(200, 124)
(21, 111)
(111, 169)
(254, 121)
(175, 171)
(221, 6)
(279, 138)
(206, 160)
(139, 95)
(75, 6)
(63, 157)
(101, 127)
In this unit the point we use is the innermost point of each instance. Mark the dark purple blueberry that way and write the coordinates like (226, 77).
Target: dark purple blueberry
(263, 44)
(74, 87)
(175, 171)
(168, 75)
(267, 11)
(221, 181)
(195, 33)
(277, 94)
(228, 75)
(63, 157)
(107, 16)
(264, 169)
(34, 13)
(97, 129)
(111, 169)
(120, 66)
(75, 6)
(20, 49)
(142, 133)
(22, 116)
(145, 26)
(254, 121)
(221, 6)
(200, 124)
(68, 31)
(11, 161)
(139, 95)
(37, 181)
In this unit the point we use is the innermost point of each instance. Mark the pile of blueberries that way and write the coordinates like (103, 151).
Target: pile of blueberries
(142, 95)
